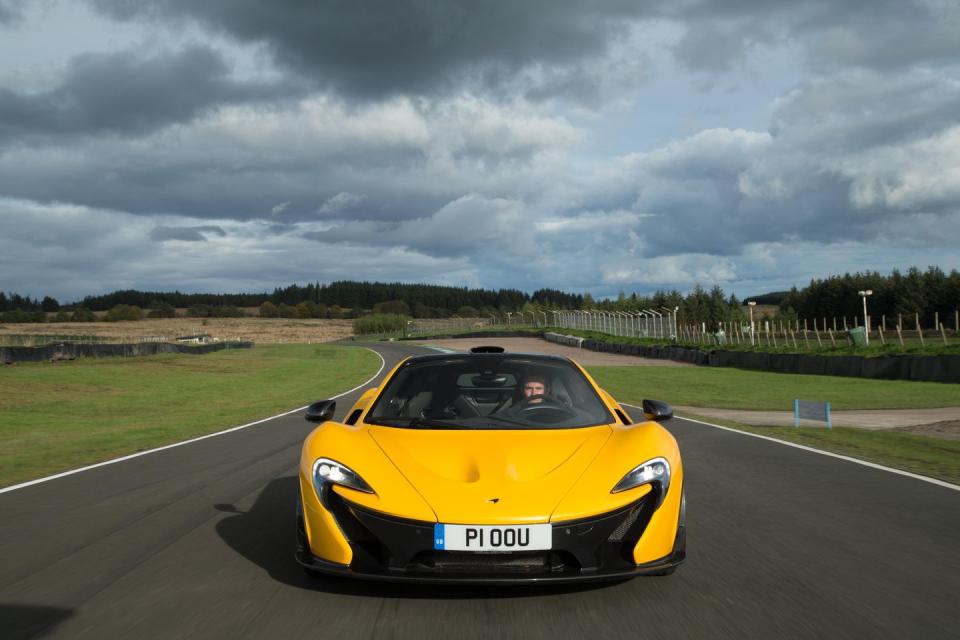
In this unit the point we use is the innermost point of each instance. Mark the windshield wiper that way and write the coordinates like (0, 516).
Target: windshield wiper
(502, 420)
(413, 423)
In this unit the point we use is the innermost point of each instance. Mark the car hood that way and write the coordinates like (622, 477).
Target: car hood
(492, 477)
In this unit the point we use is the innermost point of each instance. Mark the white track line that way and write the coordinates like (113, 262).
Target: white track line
(939, 483)
(22, 485)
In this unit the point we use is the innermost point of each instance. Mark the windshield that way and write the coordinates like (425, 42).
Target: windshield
(489, 392)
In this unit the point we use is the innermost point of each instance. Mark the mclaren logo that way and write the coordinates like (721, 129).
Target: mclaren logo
(493, 500)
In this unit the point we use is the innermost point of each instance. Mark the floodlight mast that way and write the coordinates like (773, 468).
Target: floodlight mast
(866, 319)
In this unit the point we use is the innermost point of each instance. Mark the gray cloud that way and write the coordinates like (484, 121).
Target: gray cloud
(474, 143)
(10, 12)
(245, 161)
(185, 234)
(125, 93)
(377, 48)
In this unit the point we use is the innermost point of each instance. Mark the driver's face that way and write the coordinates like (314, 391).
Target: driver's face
(534, 388)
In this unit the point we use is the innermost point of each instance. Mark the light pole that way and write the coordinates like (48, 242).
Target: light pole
(751, 304)
(866, 318)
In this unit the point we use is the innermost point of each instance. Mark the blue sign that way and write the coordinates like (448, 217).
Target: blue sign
(438, 536)
(808, 410)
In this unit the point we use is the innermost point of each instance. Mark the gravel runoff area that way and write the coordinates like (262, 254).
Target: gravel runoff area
(942, 422)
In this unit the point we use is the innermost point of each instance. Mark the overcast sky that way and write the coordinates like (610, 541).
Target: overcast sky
(237, 145)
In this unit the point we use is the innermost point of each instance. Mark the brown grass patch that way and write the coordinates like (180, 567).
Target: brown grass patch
(261, 330)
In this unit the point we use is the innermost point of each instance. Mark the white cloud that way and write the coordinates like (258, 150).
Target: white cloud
(343, 201)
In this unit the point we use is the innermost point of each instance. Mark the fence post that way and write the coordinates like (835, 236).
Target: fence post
(943, 333)
(900, 336)
(817, 333)
(832, 341)
(916, 319)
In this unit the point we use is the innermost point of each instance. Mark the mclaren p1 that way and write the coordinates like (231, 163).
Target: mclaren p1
(490, 467)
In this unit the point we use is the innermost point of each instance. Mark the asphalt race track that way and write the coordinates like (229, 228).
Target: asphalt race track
(197, 541)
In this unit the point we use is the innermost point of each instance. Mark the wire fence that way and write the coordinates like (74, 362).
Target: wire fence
(796, 334)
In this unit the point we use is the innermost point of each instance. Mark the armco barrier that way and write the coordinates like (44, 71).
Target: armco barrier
(570, 341)
(71, 350)
(943, 368)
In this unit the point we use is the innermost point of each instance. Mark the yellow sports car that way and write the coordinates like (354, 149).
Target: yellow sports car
(490, 467)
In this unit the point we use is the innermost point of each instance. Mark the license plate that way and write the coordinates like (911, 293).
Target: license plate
(468, 537)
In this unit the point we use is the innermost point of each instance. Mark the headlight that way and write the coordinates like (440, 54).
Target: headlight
(655, 472)
(327, 472)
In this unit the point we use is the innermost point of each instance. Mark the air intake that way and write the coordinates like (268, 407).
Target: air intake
(487, 349)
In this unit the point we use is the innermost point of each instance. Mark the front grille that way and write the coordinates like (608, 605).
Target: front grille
(382, 542)
(492, 563)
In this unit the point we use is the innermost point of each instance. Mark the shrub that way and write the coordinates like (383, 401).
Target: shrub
(269, 310)
(380, 323)
(215, 311)
(161, 310)
(124, 313)
(82, 314)
(19, 315)
(287, 311)
(396, 307)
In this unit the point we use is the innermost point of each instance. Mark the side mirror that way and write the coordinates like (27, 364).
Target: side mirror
(657, 410)
(321, 411)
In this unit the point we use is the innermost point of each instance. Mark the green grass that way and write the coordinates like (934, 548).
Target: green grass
(58, 416)
(928, 456)
(727, 388)
(932, 346)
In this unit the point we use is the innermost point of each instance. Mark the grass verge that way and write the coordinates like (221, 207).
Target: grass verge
(933, 346)
(927, 456)
(726, 388)
(58, 416)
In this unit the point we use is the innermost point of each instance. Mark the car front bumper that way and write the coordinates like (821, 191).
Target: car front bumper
(393, 549)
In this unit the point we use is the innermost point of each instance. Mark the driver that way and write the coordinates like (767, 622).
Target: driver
(535, 385)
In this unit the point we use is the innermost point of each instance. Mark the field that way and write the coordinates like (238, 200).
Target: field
(260, 330)
(57, 416)
(727, 388)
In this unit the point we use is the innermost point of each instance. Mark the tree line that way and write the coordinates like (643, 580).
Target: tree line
(928, 293)
(925, 292)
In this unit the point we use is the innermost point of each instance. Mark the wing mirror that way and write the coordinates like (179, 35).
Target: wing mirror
(321, 411)
(657, 410)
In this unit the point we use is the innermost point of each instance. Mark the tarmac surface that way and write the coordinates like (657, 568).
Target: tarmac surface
(197, 541)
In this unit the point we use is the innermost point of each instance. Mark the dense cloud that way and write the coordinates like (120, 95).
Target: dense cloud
(378, 48)
(525, 144)
(399, 159)
(127, 94)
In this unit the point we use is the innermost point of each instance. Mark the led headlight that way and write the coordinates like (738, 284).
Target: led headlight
(327, 472)
(655, 472)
